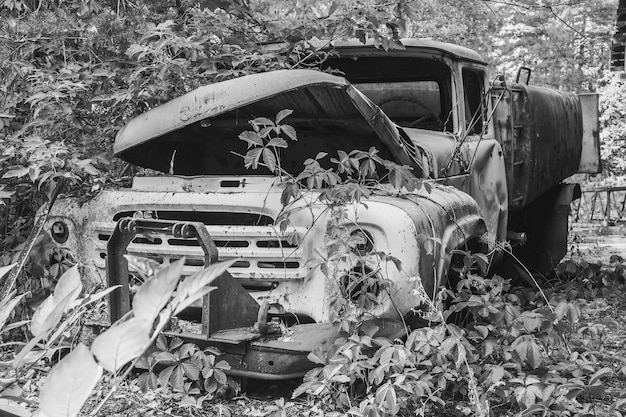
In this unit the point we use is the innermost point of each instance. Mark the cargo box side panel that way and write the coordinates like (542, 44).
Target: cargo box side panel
(541, 132)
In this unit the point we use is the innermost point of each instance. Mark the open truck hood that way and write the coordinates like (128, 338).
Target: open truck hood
(315, 97)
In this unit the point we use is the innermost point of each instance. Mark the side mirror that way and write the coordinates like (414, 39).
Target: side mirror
(527, 71)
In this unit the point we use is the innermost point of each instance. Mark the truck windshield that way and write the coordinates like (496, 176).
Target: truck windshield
(413, 92)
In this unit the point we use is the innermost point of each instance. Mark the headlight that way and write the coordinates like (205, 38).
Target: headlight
(363, 242)
(59, 232)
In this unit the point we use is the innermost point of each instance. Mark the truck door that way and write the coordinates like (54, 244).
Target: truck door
(485, 165)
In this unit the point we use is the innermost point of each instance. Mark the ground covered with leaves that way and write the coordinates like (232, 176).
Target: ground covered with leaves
(600, 336)
(567, 360)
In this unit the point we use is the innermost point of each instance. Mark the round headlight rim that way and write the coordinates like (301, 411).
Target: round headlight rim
(63, 235)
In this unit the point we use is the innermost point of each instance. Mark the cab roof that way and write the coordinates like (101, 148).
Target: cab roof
(410, 45)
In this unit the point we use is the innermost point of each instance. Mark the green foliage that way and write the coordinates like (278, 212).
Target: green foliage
(192, 374)
(508, 350)
(71, 381)
(566, 45)
(265, 140)
(612, 125)
(53, 324)
(79, 382)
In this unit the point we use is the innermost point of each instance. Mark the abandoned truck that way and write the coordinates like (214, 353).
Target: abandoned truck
(494, 153)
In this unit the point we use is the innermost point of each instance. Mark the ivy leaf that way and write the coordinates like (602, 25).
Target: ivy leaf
(121, 343)
(165, 358)
(165, 375)
(318, 356)
(495, 375)
(269, 159)
(535, 409)
(401, 176)
(528, 350)
(294, 238)
(161, 343)
(262, 121)
(291, 191)
(277, 142)
(190, 370)
(266, 131)
(252, 158)
(282, 114)
(334, 373)
(70, 383)
(177, 380)
(386, 396)
(147, 381)
(251, 138)
(219, 375)
(571, 390)
(526, 395)
(289, 131)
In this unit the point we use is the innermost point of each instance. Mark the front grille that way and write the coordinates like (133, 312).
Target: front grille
(216, 218)
(263, 255)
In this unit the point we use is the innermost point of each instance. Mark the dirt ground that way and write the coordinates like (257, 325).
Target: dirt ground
(595, 242)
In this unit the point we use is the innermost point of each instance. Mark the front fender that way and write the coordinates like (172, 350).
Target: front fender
(420, 229)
